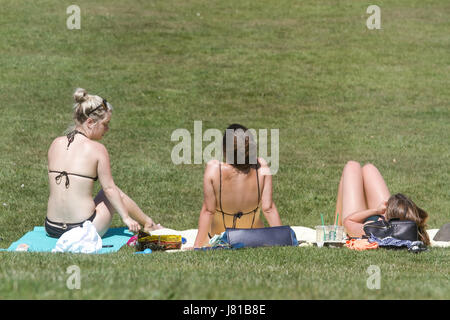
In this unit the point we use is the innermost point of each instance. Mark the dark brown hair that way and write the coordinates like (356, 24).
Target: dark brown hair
(401, 207)
(244, 149)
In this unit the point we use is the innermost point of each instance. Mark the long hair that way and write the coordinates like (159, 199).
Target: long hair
(239, 148)
(401, 207)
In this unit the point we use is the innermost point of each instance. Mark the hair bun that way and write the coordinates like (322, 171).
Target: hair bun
(80, 95)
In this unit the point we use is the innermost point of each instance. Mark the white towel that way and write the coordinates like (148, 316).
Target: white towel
(83, 239)
(441, 244)
(302, 234)
(189, 235)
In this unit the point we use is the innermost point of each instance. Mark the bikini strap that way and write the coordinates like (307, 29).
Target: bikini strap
(235, 217)
(220, 186)
(220, 195)
(259, 197)
(259, 191)
(59, 177)
(71, 136)
(66, 174)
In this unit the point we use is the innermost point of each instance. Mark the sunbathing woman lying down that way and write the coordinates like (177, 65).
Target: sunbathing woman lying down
(75, 162)
(234, 191)
(363, 196)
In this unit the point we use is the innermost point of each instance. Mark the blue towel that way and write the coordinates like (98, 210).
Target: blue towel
(40, 242)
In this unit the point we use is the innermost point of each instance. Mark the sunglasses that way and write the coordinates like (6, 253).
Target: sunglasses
(104, 105)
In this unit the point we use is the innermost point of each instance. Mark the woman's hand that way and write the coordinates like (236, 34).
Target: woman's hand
(132, 225)
(152, 227)
(382, 207)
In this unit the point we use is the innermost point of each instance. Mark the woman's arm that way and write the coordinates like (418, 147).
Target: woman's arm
(111, 191)
(354, 223)
(267, 204)
(204, 225)
(209, 205)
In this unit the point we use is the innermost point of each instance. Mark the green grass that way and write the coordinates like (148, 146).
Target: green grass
(335, 90)
(266, 273)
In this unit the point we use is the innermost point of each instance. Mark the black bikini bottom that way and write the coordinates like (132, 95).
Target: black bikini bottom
(57, 229)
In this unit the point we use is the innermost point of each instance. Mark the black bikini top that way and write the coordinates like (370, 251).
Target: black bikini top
(70, 137)
(239, 214)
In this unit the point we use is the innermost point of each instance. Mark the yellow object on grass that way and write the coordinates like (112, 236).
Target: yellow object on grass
(158, 242)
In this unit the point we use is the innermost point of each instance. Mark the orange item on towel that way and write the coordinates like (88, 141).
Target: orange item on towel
(360, 244)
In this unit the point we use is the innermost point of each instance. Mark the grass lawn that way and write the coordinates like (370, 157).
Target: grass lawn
(335, 90)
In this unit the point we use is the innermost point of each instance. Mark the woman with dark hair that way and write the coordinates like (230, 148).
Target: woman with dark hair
(235, 190)
(363, 196)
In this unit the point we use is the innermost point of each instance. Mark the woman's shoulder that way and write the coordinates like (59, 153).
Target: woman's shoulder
(97, 150)
(57, 142)
(262, 162)
(212, 170)
(212, 165)
(263, 167)
(97, 146)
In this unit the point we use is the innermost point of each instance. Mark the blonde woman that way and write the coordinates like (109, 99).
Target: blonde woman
(75, 162)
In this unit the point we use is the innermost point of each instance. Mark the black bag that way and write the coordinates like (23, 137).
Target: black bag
(398, 229)
(261, 237)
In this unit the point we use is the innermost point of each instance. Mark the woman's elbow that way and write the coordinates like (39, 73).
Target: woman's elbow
(271, 214)
(267, 208)
(109, 190)
(351, 229)
(347, 225)
(207, 210)
(206, 214)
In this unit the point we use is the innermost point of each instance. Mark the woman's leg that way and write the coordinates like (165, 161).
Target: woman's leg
(104, 215)
(339, 204)
(105, 212)
(352, 190)
(375, 187)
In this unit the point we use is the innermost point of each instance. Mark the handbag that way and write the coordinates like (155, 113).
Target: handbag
(398, 229)
(260, 237)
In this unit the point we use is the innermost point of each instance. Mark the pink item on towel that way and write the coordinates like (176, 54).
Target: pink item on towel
(132, 242)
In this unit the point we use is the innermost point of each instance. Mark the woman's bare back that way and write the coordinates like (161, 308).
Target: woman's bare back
(237, 192)
(74, 203)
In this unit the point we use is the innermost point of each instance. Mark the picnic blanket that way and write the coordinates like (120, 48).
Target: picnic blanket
(38, 241)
